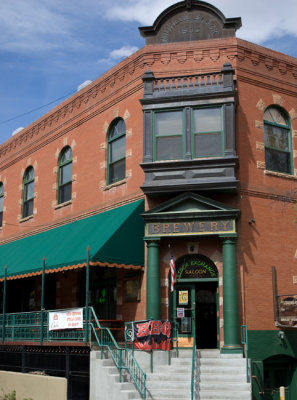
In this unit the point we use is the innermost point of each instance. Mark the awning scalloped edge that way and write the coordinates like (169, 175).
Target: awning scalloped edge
(76, 266)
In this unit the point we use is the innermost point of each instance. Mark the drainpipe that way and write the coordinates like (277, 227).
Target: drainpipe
(4, 304)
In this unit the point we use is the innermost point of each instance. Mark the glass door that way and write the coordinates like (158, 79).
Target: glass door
(184, 309)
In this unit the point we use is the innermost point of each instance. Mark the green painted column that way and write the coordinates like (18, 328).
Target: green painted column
(153, 292)
(230, 300)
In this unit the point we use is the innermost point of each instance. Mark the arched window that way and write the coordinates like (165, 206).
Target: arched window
(278, 144)
(1, 202)
(65, 175)
(116, 151)
(28, 192)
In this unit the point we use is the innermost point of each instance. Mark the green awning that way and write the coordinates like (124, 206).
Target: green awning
(115, 238)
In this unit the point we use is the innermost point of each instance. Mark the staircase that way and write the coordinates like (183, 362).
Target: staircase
(221, 377)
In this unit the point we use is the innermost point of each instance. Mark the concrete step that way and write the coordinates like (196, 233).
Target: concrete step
(223, 361)
(225, 370)
(222, 386)
(168, 377)
(226, 395)
(169, 394)
(215, 377)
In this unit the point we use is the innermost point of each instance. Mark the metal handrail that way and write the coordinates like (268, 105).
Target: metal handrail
(122, 357)
(261, 391)
(194, 387)
(244, 342)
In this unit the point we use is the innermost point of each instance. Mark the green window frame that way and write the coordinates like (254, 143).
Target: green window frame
(1, 203)
(28, 192)
(65, 175)
(116, 151)
(278, 141)
(201, 127)
(207, 132)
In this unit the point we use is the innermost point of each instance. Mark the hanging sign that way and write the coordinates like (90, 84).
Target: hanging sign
(288, 311)
(70, 319)
(152, 335)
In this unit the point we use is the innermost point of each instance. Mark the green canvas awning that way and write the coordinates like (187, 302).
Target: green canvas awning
(115, 238)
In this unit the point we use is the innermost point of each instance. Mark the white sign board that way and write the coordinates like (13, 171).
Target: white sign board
(70, 319)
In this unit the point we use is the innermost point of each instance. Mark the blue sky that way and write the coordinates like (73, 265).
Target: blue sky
(49, 47)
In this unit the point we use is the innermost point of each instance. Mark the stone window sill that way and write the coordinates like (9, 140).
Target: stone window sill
(280, 175)
(67, 203)
(115, 184)
(26, 218)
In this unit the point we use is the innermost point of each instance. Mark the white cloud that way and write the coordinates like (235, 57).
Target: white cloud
(261, 20)
(123, 52)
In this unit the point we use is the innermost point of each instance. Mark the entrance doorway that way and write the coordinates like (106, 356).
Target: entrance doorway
(196, 307)
(196, 300)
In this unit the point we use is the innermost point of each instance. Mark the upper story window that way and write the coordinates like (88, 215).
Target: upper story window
(1, 203)
(116, 155)
(65, 175)
(202, 128)
(28, 192)
(278, 143)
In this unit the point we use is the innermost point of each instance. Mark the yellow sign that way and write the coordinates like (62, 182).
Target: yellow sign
(183, 297)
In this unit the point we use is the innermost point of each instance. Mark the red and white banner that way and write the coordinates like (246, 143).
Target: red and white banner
(70, 319)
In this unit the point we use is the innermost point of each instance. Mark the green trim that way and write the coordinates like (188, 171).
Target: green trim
(114, 236)
(110, 141)
(26, 182)
(288, 129)
(61, 165)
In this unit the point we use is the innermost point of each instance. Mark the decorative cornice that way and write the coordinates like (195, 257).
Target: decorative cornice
(287, 198)
(112, 82)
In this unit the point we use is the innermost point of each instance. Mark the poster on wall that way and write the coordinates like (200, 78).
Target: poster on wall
(183, 297)
(152, 335)
(70, 319)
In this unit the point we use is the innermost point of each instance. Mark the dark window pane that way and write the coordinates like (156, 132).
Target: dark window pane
(207, 120)
(1, 189)
(1, 218)
(28, 208)
(277, 161)
(29, 191)
(117, 171)
(118, 129)
(66, 155)
(117, 149)
(66, 173)
(169, 148)
(276, 137)
(169, 123)
(65, 192)
(29, 174)
(1, 203)
(208, 145)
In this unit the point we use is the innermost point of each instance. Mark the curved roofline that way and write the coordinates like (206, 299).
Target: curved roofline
(234, 23)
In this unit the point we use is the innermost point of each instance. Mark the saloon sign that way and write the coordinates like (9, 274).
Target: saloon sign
(195, 266)
(288, 311)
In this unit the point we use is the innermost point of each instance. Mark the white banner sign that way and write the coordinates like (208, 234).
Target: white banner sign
(70, 319)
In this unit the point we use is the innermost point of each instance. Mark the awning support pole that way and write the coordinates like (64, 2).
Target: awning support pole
(87, 297)
(4, 304)
(42, 300)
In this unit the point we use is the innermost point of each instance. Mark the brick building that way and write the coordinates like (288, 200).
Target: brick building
(191, 145)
